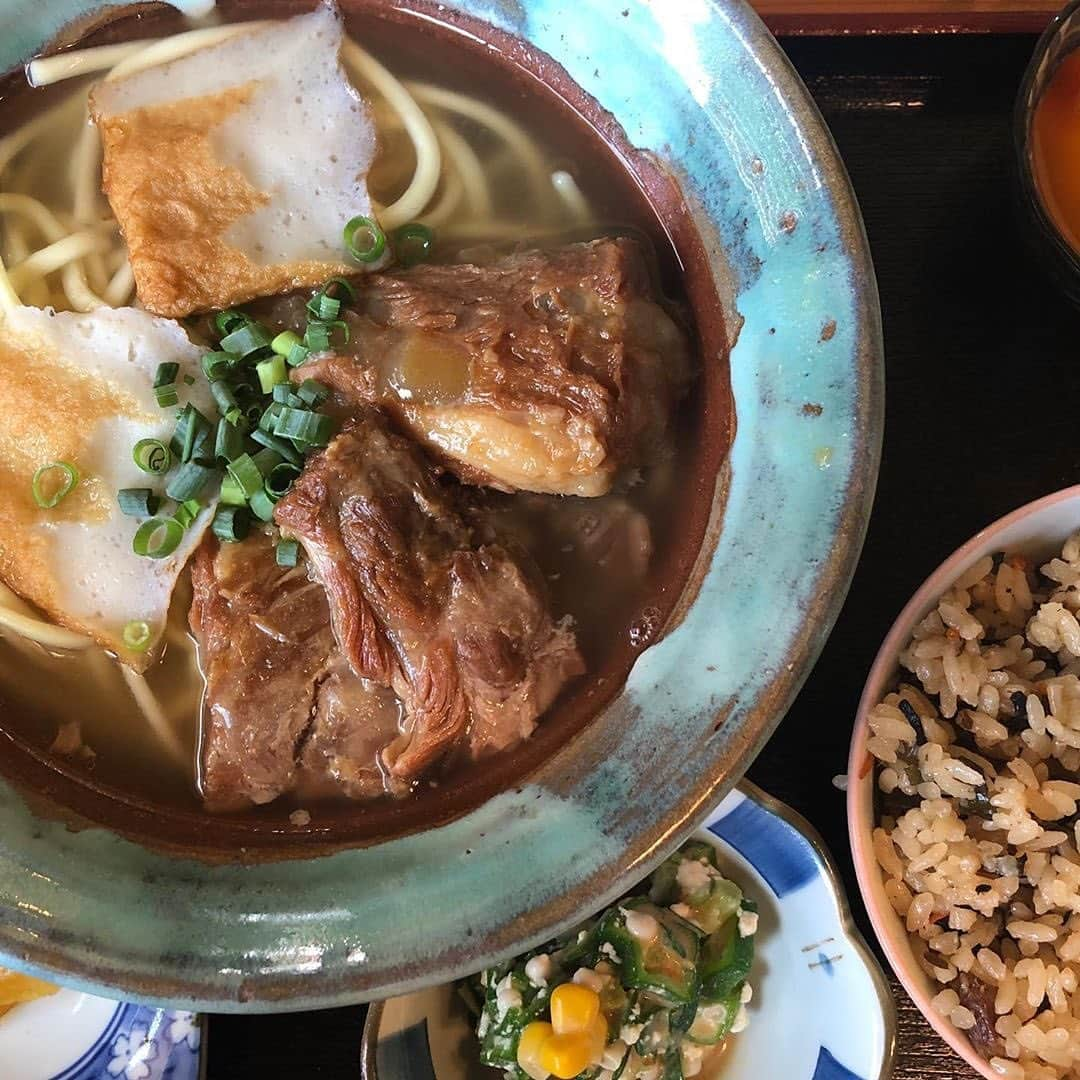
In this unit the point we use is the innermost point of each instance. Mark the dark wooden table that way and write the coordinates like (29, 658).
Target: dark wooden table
(981, 360)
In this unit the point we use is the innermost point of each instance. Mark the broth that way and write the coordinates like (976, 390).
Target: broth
(590, 550)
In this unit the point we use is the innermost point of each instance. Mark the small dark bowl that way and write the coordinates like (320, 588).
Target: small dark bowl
(1050, 248)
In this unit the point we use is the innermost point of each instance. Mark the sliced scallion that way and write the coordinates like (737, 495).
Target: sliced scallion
(297, 354)
(187, 512)
(158, 538)
(137, 635)
(269, 416)
(189, 481)
(279, 481)
(166, 396)
(53, 482)
(248, 340)
(228, 441)
(314, 429)
(262, 506)
(265, 460)
(152, 456)
(412, 244)
(166, 374)
(279, 446)
(138, 502)
(217, 365)
(284, 342)
(271, 373)
(245, 473)
(282, 392)
(232, 494)
(229, 320)
(364, 239)
(312, 392)
(231, 523)
(287, 552)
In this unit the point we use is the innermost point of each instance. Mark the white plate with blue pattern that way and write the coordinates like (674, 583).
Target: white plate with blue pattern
(822, 1009)
(74, 1036)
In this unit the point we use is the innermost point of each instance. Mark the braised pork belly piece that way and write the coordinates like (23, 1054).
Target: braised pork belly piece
(460, 630)
(283, 711)
(543, 371)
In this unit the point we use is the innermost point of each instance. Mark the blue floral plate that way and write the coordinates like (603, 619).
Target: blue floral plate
(821, 1008)
(75, 1036)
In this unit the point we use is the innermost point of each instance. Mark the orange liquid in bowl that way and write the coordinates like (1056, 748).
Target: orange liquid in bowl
(1055, 148)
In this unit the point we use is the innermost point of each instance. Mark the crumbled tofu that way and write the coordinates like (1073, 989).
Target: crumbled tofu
(507, 997)
(748, 923)
(641, 925)
(613, 1055)
(233, 170)
(587, 977)
(608, 950)
(630, 1033)
(538, 969)
(693, 876)
(747, 993)
(691, 1059)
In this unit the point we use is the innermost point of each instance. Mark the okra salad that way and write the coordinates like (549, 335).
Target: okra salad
(649, 989)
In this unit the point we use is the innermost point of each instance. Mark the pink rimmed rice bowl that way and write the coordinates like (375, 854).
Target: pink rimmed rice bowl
(964, 795)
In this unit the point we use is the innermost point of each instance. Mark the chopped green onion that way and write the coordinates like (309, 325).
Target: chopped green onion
(187, 512)
(232, 494)
(137, 635)
(269, 416)
(364, 239)
(246, 474)
(282, 392)
(253, 412)
(279, 446)
(312, 392)
(152, 456)
(231, 523)
(188, 426)
(189, 481)
(166, 396)
(251, 338)
(265, 460)
(315, 429)
(280, 480)
(166, 374)
(60, 476)
(284, 342)
(228, 441)
(341, 283)
(297, 355)
(262, 506)
(324, 307)
(217, 365)
(229, 320)
(413, 244)
(158, 538)
(138, 502)
(271, 373)
(226, 401)
(287, 552)
(189, 380)
(318, 334)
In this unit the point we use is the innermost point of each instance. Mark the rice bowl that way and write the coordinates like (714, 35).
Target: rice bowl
(962, 801)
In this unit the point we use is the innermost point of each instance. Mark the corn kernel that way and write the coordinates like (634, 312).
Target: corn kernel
(573, 1008)
(529, 1045)
(567, 1055)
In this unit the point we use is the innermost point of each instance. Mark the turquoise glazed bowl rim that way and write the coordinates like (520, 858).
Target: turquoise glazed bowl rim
(765, 189)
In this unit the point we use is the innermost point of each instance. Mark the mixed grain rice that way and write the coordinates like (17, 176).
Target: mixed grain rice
(978, 837)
